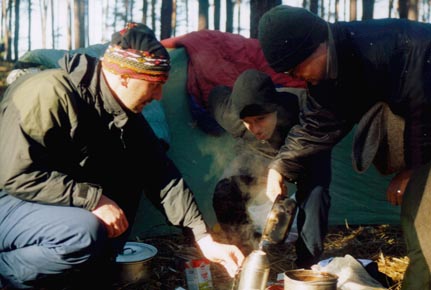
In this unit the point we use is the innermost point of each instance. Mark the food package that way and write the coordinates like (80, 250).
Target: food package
(198, 275)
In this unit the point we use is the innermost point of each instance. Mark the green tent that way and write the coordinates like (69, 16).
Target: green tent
(356, 198)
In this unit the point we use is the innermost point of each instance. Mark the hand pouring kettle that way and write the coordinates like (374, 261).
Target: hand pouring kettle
(255, 269)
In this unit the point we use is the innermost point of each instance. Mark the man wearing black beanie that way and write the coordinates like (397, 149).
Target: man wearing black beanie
(260, 117)
(350, 68)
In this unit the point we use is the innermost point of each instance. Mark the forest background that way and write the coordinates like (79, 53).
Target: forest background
(72, 24)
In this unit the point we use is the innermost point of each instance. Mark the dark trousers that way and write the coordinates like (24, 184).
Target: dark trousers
(41, 241)
(312, 224)
(416, 226)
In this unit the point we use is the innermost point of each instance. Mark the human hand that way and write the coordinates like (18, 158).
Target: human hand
(275, 185)
(112, 216)
(397, 186)
(229, 256)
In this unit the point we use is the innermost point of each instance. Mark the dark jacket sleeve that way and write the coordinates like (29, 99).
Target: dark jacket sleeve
(176, 200)
(35, 122)
(320, 128)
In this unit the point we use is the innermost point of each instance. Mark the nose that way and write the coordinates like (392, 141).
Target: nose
(254, 129)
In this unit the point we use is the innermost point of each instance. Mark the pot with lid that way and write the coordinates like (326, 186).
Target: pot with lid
(134, 263)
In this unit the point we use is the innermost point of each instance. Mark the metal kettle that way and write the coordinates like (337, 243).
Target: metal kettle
(279, 220)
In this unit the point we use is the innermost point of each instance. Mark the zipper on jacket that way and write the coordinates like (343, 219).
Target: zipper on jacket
(122, 138)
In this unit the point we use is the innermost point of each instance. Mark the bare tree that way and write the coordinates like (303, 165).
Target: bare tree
(229, 16)
(105, 16)
(367, 9)
(257, 9)
(115, 15)
(337, 10)
(408, 9)
(314, 6)
(238, 4)
(174, 18)
(353, 10)
(187, 13)
(69, 25)
(153, 13)
(52, 24)
(29, 25)
(16, 31)
(203, 14)
(166, 19)
(84, 25)
(126, 5)
(144, 11)
(43, 14)
(413, 13)
(8, 46)
(391, 7)
(217, 8)
(79, 23)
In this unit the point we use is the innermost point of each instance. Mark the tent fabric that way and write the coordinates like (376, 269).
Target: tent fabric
(356, 199)
(218, 58)
(48, 58)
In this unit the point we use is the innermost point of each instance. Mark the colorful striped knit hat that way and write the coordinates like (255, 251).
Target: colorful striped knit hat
(135, 52)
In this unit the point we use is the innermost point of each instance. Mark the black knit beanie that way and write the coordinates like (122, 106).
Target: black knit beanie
(288, 35)
(253, 94)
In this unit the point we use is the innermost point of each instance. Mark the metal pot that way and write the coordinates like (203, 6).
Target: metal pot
(309, 280)
(134, 262)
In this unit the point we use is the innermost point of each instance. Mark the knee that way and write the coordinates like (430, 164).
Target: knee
(84, 234)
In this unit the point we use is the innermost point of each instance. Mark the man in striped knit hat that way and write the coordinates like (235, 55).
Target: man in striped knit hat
(71, 140)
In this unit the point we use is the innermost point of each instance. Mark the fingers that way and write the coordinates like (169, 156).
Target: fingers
(233, 262)
(229, 256)
(113, 217)
(230, 267)
(118, 227)
(238, 256)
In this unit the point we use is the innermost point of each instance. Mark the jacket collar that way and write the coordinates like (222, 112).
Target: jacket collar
(86, 75)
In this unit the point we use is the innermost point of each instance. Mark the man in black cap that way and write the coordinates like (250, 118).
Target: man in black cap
(350, 68)
(260, 117)
(71, 142)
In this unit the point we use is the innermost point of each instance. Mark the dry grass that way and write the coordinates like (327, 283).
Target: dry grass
(383, 244)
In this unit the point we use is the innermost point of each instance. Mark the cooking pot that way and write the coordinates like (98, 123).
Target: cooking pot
(134, 262)
(302, 279)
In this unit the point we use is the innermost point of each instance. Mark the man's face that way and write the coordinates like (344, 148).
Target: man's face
(140, 93)
(261, 126)
(313, 68)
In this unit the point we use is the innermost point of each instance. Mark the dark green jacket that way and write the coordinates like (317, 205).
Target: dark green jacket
(64, 140)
